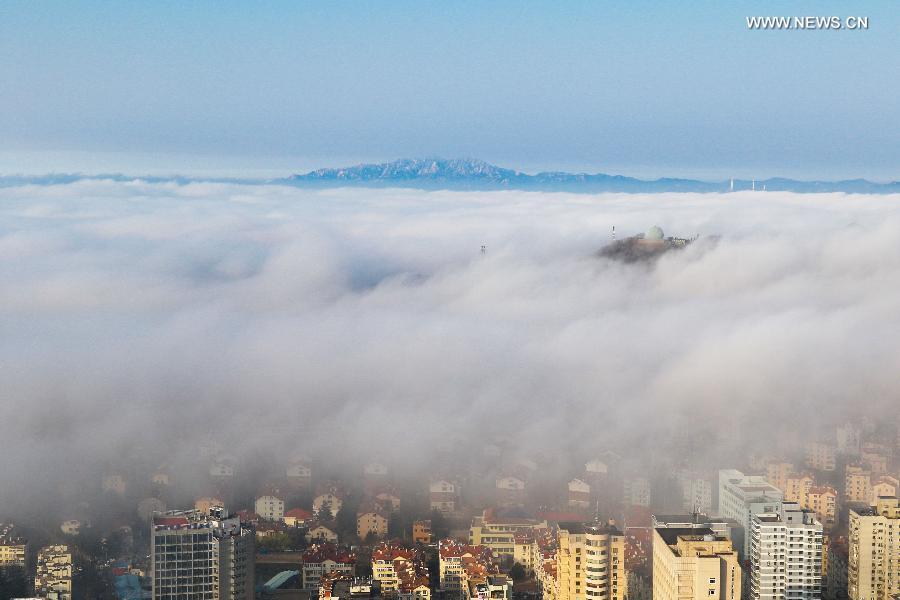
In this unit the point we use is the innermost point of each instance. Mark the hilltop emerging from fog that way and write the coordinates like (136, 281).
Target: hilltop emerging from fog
(644, 246)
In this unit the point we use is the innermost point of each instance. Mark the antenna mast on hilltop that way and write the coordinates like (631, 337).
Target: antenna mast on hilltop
(614, 233)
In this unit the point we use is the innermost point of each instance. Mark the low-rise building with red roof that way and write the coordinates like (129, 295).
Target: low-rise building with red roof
(321, 559)
(297, 517)
(401, 569)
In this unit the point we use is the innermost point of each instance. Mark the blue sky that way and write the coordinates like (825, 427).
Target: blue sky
(641, 88)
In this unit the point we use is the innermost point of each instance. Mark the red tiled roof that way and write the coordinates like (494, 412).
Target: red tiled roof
(319, 553)
(299, 514)
(451, 548)
(389, 551)
(247, 516)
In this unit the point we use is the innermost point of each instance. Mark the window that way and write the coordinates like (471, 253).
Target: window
(712, 581)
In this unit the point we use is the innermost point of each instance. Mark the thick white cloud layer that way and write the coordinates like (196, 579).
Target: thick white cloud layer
(369, 318)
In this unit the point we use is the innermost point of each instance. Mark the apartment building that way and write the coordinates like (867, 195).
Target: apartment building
(590, 562)
(322, 559)
(822, 500)
(873, 570)
(319, 533)
(696, 492)
(886, 486)
(876, 457)
(636, 491)
(777, 473)
(371, 522)
(821, 456)
(742, 496)
(401, 570)
(202, 557)
(299, 473)
(53, 573)
(269, 504)
(579, 493)
(727, 528)
(497, 529)
(837, 558)
(510, 490)
(459, 564)
(421, 532)
(857, 484)
(328, 496)
(443, 495)
(786, 555)
(12, 547)
(694, 564)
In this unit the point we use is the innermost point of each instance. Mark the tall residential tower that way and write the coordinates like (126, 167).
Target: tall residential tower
(786, 555)
(873, 568)
(591, 562)
(202, 557)
(742, 496)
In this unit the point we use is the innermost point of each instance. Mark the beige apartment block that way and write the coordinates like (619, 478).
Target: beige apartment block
(873, 570)
(590, 562)
(694, 564)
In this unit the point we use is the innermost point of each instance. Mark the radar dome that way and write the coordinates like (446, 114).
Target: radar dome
(654, 233)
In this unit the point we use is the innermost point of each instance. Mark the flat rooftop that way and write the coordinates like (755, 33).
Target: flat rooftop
(670, 535)
(576, 528)
(697, 518)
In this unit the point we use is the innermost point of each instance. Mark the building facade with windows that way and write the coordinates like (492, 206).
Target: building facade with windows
(786, 555)
(590, 562)
(693, 564)
(53, 573)
(873, 569)
(202, 557)
(742, 496)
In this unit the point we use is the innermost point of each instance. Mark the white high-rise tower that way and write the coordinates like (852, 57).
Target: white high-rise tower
(786, 555)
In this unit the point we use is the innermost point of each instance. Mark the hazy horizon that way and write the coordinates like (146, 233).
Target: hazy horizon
(638, 89)
(200, 166)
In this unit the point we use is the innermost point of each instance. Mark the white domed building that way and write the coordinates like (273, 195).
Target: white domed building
(654, 235)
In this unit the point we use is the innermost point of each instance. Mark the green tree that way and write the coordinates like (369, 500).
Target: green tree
(296, 539)
(517, 572)
(325, 515)
(439, 527)
(397, 526)
(278, 542)
(13, 582)
(345, 522)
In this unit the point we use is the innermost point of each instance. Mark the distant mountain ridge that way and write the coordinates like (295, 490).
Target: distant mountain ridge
(473, 174)
(408, 169)
(476, 174)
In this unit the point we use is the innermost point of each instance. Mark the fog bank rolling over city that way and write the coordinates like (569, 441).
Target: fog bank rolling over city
(148, 316)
